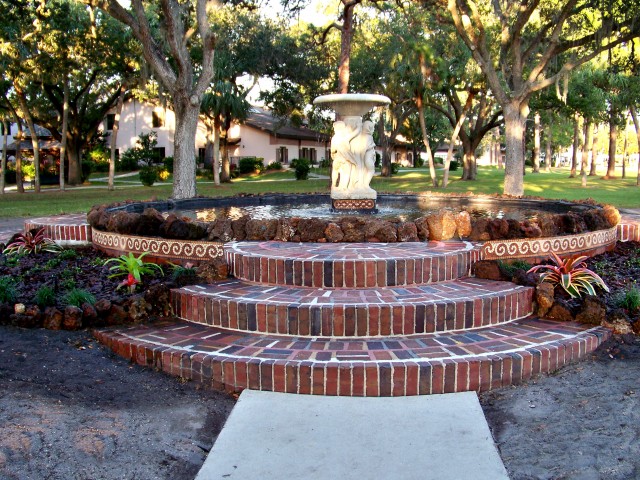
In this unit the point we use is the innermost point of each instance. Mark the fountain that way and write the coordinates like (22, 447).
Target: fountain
(352, 151)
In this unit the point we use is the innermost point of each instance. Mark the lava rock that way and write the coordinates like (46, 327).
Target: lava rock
(561, 310)
(138, 308)
(286, 229)
(98, 217)
(487, 269)
(174, 227)
(422, 227)
(72, 318)
(547, 224)
(498, 229)
(124, 223)
(311, 229)
(352, 228)
(214, 270)
(442, 226)
(102, 306)
(515, 229)
(158, 296)
(239, 227)
(149, 222)
(220, 230)
(463, 224)
(612, 215)
(333, 233)
(380, 231)
(619, 322)
(544, 298)
(117, 315)
(593, 311)
(52, 318)
(261, 229)
(530, 229)
(480, 230)
(407, 232)
(89, 313)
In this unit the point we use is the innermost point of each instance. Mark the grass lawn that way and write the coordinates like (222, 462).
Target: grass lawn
(622, 193)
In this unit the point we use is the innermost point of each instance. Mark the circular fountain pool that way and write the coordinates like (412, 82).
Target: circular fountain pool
(390, 207)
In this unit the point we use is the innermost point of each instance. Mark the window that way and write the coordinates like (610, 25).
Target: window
(304, 153)
(312, 155)
(282, 155)
(160, 154)
(111, 119)
(201, 154)
(157, 119)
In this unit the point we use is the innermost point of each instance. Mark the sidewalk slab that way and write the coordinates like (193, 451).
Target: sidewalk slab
(285, 436)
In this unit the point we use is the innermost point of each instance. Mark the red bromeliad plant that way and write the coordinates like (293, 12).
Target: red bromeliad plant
(29, 242)
(571, 276)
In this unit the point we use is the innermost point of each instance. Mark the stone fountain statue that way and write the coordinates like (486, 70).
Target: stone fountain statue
(352, 151)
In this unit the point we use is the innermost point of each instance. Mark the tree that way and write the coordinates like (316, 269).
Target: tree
(169, 54)
(526, 47)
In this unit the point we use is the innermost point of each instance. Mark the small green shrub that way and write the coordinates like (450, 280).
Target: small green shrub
(274, 166)
(168, 164)
(45, 296)
(302, 167)
(53, 263)
(77, 297)
(148, 176)
(179, 272)
(250, 165)
(395, 168)
(454, 165)
(68, 283)
(8, 290)
(629, 299)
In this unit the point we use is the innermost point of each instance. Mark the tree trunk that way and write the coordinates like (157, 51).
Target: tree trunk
(624, 153)
(74, 156)
(547, 148)
(515, 117)
(588, 132)
(345, 48)
(576, 145)
(594, 153)
(454, 138)
(613, 137)
(184, 140)
(22, 99)
(216, 152)
(636, 124)
(425, 140)
(385, 165)
(18, 139)
(536, 143)
(114, 137)
(65, 131)
(3, 162)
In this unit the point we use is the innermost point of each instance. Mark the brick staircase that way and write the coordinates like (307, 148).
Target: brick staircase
(355, 319)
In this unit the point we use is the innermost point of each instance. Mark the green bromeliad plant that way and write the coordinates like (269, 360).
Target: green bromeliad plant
(133, 267)
(571, 275)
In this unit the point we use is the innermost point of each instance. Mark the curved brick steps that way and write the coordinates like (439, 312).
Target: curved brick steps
(350, 265)
(463, 303)
(486, 358)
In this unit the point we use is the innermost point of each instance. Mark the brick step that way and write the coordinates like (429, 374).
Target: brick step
(350, 265)
(454, 305)
(482, 359)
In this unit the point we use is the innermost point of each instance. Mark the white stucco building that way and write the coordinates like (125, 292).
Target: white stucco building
(262, 135)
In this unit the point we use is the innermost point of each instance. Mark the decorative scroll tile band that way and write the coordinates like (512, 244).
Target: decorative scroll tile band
(539, 247)
(158, 247)
(354, 204)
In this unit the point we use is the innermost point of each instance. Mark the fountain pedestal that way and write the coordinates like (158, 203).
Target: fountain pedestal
(352, 151)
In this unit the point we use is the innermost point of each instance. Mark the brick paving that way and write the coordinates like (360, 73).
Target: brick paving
(350, 265)
(487, 358)
(426, 308)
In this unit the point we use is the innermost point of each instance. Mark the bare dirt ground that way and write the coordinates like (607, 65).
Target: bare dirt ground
(583, 422)
(69, 409)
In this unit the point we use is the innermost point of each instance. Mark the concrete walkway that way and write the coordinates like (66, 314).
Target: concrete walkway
(284, 436)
